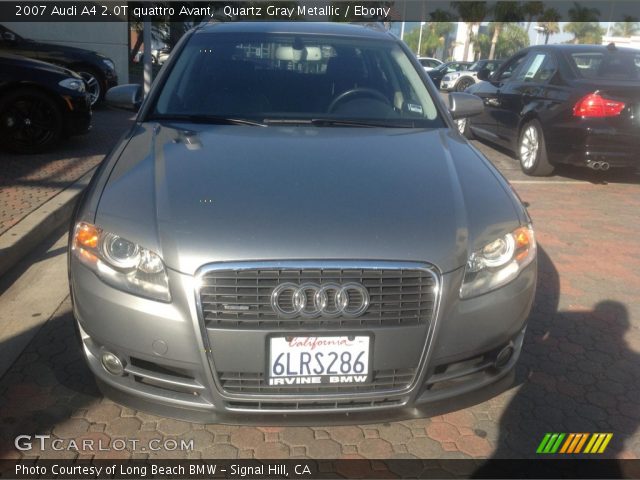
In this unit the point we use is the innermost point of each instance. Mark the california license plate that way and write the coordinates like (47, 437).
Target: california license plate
(316, 360)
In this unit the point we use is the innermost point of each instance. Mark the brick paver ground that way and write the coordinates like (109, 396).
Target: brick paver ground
(579, 371)
(28, 181)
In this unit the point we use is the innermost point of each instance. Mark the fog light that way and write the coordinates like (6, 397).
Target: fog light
(112, 364)
(503, 357)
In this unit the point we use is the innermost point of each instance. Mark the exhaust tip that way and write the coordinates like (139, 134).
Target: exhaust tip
(503, 357)
(604, 166)
(596, 165)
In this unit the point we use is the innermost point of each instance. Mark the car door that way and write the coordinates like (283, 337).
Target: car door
(523, 92)
(489, 92)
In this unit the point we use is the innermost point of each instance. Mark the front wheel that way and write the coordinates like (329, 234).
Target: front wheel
(94, 85)
(532, 151)
(30, 121)
(463, 84)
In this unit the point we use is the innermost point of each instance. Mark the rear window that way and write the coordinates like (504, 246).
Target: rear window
(607, 65)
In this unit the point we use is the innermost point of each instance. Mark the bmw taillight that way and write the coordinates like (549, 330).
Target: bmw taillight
(595, 105)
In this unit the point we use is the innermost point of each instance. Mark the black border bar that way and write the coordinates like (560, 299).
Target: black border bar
(340, 10)
(585, 468)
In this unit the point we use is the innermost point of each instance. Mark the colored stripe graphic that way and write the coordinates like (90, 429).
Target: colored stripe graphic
(553, 443)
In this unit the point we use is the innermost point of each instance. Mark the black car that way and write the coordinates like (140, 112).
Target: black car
(98, 71)
(575, 104)
(437, 73)
(39, 104)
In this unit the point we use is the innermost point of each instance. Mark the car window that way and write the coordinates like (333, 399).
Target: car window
(295, 77)
(613, 65)
(538, 67)
(510, 69)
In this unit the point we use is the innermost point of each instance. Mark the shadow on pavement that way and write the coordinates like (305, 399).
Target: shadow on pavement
(577, 374)
(613, 175)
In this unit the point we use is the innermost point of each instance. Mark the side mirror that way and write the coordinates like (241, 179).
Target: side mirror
(127, 97)
(484, 74)
(463, 105)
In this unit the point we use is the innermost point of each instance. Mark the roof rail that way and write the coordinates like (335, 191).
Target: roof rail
(379, 26)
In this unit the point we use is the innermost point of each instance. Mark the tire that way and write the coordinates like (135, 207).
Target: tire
(30, 121)
(532, 150)
(94, 84)
(463, 84)
(464, 129)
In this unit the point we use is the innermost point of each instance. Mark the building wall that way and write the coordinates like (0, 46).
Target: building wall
(461, 37)
(108, 38)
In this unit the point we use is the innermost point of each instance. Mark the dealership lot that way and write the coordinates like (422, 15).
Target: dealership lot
(579, 372)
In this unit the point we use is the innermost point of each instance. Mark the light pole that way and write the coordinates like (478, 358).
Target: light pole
(420, 38)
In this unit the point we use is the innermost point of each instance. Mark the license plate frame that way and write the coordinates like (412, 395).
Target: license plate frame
(325, 379)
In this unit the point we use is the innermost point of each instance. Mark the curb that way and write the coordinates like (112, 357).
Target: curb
(29, 232)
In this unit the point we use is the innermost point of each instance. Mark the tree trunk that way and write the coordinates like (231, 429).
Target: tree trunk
(494, 40)
(546, 37)
(467, 42)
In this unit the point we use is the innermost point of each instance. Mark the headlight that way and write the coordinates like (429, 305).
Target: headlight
(121, 263)
(72, 84)
(498, 262)
(109, 63)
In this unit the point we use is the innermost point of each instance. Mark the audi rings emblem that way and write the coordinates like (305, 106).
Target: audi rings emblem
(311, 300)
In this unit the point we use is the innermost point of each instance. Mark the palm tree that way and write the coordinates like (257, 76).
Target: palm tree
(530, 10)
(471, 13)
(584, 24)
(627, 28)
(549, 21)
(503, 12)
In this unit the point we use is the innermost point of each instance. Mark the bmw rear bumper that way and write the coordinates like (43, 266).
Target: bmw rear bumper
(170, 368)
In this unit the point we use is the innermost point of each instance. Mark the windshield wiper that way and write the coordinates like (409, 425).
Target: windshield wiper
(328, 122)
(210, 119)
(359, 123)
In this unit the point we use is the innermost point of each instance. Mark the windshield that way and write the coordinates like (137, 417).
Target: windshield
(618, 65)
(296, 77)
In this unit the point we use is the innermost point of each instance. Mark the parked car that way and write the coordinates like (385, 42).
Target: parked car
(98, 71)
(288, 232)
(429, 63)
(39, 104)
(460, 81)
(437, 73)
(552, 104)
(159, 52)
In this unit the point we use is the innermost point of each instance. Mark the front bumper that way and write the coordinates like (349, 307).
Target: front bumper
(77, 114)
(447, 85)
(172, 369)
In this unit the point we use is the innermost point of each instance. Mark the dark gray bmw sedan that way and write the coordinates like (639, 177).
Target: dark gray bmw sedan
(294, 230)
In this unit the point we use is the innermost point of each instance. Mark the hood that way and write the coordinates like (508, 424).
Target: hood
(18, 61)
(56, 50)
(231, 193)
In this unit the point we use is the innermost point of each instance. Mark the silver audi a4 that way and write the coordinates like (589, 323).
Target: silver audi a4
(293, 229)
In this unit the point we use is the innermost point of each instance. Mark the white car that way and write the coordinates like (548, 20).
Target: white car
(461, 80)
(429, 63)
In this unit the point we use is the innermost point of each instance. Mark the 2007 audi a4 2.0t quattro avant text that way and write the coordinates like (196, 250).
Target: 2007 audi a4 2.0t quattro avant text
(294, 229)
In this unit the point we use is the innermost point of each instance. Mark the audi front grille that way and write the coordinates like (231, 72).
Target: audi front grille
(255, 383)
(237, 298)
